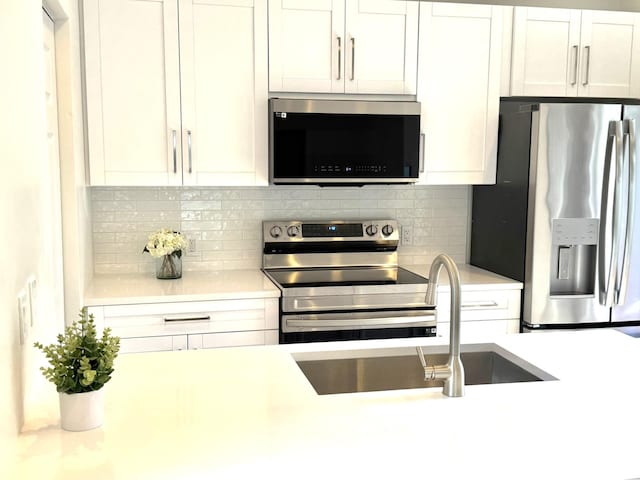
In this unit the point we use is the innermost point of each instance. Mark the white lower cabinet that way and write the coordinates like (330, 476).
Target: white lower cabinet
(483, 312)
(155, 327)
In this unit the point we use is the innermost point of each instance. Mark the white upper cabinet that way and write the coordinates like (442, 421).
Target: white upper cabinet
(459, 69)
(343, 46)
(559, 52)
(133, 92)
(174, 98)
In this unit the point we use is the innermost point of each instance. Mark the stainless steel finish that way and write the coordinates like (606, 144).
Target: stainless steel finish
(189, 147)
(357, 320)
(421, 153)
(396, 368)
(190, 318)
(353, 59)
(627, 307)
(587, 50)
(574, 79)
(175, 153)
(629, 128)
(350, 296)
(566, 178)
(296, 105)
(453, 372)
(605, 255)
(339, 58)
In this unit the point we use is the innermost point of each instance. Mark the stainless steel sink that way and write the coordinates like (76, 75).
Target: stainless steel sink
(399, 368)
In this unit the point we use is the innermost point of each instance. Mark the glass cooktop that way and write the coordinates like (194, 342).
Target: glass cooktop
(351, 276)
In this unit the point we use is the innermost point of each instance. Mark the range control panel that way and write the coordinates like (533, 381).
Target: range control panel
(370, 230)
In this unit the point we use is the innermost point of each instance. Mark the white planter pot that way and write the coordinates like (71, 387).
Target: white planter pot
(81, 411)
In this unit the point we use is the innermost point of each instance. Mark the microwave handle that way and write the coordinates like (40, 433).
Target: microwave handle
(421, 153)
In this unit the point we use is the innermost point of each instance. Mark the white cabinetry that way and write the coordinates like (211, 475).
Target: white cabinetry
(459, 70)
(558, 52)
(191, 325)
(176, 99)
(483, 312)
(343, 46)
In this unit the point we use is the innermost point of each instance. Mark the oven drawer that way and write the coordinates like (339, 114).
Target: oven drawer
(358, 320)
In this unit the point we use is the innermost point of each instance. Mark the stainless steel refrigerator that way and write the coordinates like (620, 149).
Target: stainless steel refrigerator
(563, 216)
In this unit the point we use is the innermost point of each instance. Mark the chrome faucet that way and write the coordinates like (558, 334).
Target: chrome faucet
(453, 372)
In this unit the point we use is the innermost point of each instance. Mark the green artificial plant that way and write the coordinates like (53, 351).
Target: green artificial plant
(80, 361)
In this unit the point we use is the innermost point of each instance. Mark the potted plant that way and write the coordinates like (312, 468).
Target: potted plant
(166, 246)
(81, 364)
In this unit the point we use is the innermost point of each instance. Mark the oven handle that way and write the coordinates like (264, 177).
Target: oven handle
(355, 323)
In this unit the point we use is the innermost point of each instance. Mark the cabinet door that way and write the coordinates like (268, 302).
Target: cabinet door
(545, 60)
(381, 46)
(610, 45)
(459, 88)
(306, 46)
(223, 59)
(231, 339)
(132, 92)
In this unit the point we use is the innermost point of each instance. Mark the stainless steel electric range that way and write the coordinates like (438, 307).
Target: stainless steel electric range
(340, 280)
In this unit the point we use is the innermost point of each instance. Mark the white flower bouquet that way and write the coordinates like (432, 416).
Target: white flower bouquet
(165, 242)
(166, 246)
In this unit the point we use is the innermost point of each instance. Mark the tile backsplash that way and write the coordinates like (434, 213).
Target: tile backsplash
(225, 222)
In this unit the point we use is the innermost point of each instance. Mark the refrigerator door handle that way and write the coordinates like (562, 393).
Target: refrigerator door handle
(621, 288)
(607, 256)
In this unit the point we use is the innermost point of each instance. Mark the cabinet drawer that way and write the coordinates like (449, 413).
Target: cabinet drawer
(153, 344)
(231, 339)
(481, 305)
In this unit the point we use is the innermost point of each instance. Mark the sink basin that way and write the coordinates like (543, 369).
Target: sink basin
(399, 368)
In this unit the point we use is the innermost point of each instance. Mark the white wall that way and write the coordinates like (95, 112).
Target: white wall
(226, 222)
(24, 212)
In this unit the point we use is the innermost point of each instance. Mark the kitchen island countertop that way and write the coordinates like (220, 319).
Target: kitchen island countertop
(243, 413)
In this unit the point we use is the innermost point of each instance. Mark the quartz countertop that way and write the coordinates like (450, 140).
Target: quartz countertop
(193, 286)
(249, 412)
(124, 289)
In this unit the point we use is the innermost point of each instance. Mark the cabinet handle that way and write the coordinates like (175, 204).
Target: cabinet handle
(353, 58)
(175, 153)
(587, 50)
(487, 304)
(339, 58)
(189, 146)
(575, 64)
(179, 318)
(421, 153)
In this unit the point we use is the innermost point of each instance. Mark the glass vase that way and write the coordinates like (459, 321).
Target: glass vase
(169, 266)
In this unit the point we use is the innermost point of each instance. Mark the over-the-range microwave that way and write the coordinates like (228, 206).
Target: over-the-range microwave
(343, 142)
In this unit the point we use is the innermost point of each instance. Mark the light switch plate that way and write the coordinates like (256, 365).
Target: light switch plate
(23, 317)
(407, 235)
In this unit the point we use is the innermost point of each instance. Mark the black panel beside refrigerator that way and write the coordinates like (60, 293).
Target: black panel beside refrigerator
(544, 222)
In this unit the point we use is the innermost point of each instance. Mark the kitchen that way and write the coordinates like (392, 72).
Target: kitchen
(21, 197)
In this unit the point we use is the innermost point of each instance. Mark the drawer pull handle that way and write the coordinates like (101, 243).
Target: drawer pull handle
(480, 305)
(187, 319)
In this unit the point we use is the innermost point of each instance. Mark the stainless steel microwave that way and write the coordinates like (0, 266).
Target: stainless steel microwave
(334, 142)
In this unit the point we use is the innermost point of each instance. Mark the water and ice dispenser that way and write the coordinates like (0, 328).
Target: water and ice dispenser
(573, 256)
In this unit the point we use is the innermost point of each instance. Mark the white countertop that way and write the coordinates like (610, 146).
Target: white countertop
(127, 289)
(245, 413)
(193, 286)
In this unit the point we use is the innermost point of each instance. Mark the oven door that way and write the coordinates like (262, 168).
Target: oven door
(357, 325)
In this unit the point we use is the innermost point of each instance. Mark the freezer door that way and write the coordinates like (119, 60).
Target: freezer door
(569, 143)
(627, 306)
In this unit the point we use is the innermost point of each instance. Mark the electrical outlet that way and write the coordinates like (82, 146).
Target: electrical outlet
(191, 248)
(407, 235)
